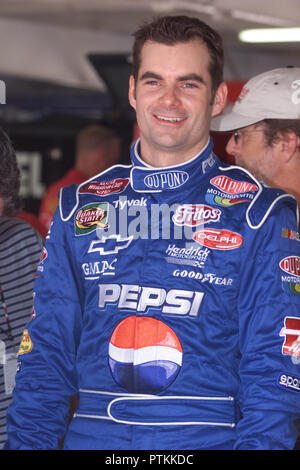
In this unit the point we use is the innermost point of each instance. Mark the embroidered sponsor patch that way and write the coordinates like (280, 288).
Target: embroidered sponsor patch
(40, 267)
(230, 186)
(187, 255)
(90, 217)
(145, 355)
(289, 382)
(195, 214)
(290, 265)
(290, 234)
(170, 179)
(223, 201)
(103, 188)
(291, 334)
(291, 280)
(26, 344)
(218, 239)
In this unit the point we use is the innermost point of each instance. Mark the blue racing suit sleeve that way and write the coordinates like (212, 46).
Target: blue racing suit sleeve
(46, 376)
(267, 299)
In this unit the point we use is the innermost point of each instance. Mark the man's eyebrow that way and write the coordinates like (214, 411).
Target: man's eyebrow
(184, 78)
(192, 77)
(148, 75)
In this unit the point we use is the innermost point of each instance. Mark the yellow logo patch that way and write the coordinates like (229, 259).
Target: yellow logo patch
(26, 344)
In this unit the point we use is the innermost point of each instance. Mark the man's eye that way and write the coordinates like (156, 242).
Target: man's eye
(152, 82)
(190, 85)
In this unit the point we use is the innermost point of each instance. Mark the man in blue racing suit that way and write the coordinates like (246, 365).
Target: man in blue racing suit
(168, 291)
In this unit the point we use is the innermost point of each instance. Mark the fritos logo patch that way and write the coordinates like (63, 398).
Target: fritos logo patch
(218, 239)
(26, 344)
(103, 188)
(195, 214)
(90, 217)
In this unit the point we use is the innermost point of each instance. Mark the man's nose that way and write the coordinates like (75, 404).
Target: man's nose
(231, 146)
(170, 96)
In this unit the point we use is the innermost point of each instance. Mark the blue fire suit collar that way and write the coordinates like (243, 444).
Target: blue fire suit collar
(145, 178)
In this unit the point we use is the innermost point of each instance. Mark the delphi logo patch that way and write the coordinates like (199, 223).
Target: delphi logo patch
(218, 239)
(90, 217)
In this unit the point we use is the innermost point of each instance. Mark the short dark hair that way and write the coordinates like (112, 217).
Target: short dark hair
(9, 177)
(92, 137)
(273, 127)
(170, 30)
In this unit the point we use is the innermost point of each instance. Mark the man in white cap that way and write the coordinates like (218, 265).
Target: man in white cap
(265, 126)
(265, 122)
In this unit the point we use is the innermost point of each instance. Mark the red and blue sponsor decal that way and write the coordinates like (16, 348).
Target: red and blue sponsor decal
(145, 355)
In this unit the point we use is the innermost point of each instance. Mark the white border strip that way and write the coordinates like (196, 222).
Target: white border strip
(133, 397)
(255, 227)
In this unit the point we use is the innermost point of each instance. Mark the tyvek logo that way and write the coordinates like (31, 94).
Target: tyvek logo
(110, 245)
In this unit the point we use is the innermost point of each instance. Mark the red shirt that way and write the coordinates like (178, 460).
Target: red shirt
(50, 200)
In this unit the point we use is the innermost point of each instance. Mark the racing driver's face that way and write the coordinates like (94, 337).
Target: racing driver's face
(173, 101)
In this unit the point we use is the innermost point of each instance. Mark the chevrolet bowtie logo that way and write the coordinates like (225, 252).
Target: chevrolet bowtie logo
(110, 245)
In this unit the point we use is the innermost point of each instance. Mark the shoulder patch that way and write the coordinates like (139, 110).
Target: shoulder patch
(264, 201)
(114, 179)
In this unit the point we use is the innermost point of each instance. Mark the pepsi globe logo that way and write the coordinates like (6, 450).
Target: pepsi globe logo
(145, 355)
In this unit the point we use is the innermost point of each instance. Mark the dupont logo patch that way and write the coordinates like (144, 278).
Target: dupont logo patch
(218, 239)
(195, 214)
(290, 265)
(103, 188)
(230, 186)
(171, 179)
(90, 217)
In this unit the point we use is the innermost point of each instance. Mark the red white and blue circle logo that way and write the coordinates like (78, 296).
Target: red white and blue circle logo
(145, 355)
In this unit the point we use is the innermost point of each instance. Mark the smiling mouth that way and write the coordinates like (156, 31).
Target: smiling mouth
(170, 119)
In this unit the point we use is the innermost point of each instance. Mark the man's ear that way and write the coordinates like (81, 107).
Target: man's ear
(287, 142)
(220, 99)
(131, 91)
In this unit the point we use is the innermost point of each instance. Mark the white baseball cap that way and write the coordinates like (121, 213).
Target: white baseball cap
(270, 95)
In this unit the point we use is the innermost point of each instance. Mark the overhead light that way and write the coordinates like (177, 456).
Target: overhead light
(264, 35)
